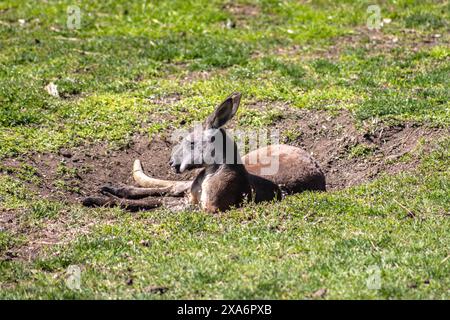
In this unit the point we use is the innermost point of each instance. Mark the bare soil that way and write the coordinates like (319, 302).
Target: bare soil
(91, 167)
(374, 41)
(332, 139)
(71, 175)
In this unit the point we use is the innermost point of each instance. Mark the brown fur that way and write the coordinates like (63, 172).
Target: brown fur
(297, 170)
(219, 188)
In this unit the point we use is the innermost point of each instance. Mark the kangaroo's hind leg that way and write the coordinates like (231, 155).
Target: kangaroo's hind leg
(131, 205)
(134, 205)
(130, 192)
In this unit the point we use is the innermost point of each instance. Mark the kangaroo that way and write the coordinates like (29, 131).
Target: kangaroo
(225, 180)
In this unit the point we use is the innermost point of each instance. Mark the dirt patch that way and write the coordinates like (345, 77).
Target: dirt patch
(375, 42)
(71, 175)
(240, 14)
(381, 41)
(242, 10)
(348, 155)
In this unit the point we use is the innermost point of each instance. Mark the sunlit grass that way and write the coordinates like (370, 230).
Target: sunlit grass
(144, 67)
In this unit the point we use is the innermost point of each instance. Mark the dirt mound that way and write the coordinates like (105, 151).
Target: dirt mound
(350, 156)
(347, 155)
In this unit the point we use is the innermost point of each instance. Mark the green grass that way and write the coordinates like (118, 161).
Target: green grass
(288, 249)
(116, 76)
(360, 150)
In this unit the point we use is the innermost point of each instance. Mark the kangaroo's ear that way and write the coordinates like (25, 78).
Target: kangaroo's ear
(224, 112)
